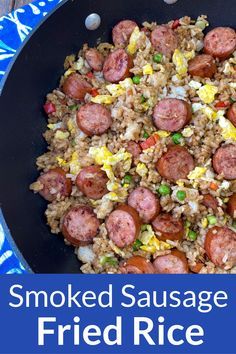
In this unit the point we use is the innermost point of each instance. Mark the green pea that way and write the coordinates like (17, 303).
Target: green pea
(136, 245)
(192, 235)
(145, 135)
(127, 179)
(73, 107)
(164, 189)
(187, 224)
(108, 260)
(181, 195)
(212, 219)
(143, 99)
(177, 138)
(157, 58)
(136, 79)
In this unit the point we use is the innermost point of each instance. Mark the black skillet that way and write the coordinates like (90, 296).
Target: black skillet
(34, 73)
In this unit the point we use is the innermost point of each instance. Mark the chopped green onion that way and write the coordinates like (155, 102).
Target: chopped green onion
(212, 219)
(136, 79)
(177, 138)
(181, 195)
(144, 227)
(157, 58)
(145, 135)
(136, 245)
(232, 100)
(234, 224)
(187, 224)
(143, 99)
(108, 260)
(73, 107)
(127, 179)
(192, 235)
(164, 189)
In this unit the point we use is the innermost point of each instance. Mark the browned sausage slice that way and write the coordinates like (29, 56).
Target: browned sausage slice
(79, 225)
(172, 114)
(137, 265)
(220, 246)
(123, 225)
(75, 86)
(173, 263)
(210, 202)
(202, 65)
(145, 202)
(164, 40)
(94, 119)
(220, 42)
(175, 164)
(224, 161)
(168, 227)
(92, 182)
(231, 206)
(134, 149)
(94, 58)
(231, 114)
(122, 31)
(117, 65)
(55, 184)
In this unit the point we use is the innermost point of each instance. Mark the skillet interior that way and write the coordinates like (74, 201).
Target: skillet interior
(36, 72)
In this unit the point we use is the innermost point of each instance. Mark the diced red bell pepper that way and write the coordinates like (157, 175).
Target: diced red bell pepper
(149, 142)
(94, 92)
(49, 107)
(175, 24)
(90, 75)
(222, 104)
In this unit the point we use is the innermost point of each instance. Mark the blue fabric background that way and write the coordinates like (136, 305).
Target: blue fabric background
(14, 29)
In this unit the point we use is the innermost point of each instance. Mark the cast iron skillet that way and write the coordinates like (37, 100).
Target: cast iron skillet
(34, 73)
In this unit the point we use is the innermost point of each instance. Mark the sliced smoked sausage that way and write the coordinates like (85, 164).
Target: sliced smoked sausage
(224, 161)
(94, 58)
(173, 263)
(210, 202)
(122, 31)
(94, 119)
(54, 184)
(168, 227)
(231, 206)
(79, 225)
(117, 65)
(220, 246)
(172, 114)
(75, 86)
(220, 42)
(164, 40)
(231, 114)
(92, 182)
(123, 225)
(134, 149)
(202, 65)
(175, 164)
(145, 202)
(137, 265)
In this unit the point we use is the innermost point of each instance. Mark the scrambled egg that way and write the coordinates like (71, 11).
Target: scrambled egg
(117, 90)
(163, 133)
(228, 129)
(147, 69)
(180, 62)
(74, 164)
(71, 126)
(209, 112)
(103, 99)
(61, 135)
(69, 72)
(132, 47)
(195, 84)
(197, 173)
(54, 126)
(141, 169)
(207, 93)
(151, 243)
(61, 162)
(187, 132)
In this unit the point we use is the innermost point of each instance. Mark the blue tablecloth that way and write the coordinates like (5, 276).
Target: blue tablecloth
(14, 29)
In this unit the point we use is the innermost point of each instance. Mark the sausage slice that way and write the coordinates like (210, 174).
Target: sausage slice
(220, 246)
(92, 182)
(134, 149)
(55, 184)
(94, 119)
(145, 202)
(80, 225)
(168, 227)
(137, 265)
(210, 202)
(123, 225)
(231, 114)
(117, 65)
(220, 42)
(173, 263)
(224, 161)
(75, 86)
(122, 31)
(164, 40)
(175, 164)
(231, 206)
(94, 58)
(172, 114)
(202, 65)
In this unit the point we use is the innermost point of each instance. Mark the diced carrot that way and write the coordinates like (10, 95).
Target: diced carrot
(94, 92)
(197, 267)
(175, 24)
(222, 104)
(149, 142)
(213, 186)
(49, 107)
(90, 75)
